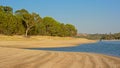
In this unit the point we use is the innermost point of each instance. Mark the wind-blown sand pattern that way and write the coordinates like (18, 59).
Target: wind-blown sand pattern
(23, 58)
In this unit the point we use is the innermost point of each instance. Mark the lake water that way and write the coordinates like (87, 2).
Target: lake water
(103, 47)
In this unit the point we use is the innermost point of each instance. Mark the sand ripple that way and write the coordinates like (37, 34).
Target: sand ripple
(20, 58)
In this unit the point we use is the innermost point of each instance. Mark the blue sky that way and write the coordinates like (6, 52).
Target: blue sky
(89, 16)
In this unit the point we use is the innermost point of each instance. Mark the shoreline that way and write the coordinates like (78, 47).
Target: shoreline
(41, 41)
(22, 58)
(13, 56)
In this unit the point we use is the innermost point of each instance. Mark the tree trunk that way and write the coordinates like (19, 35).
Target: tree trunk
(26, 32)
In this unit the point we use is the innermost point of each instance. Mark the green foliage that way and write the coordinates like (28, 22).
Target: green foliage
(6, 9)
(20, 27)
(7, 23)
(51, 26)
(54, 28)
(111, 36)
(70, 30)
(22, 22)
(115, 36)
(21, 12)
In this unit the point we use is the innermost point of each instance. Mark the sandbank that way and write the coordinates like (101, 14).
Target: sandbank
(41, 41)
(23, 58)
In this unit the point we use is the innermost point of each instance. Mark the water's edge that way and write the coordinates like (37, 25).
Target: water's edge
(111, 48)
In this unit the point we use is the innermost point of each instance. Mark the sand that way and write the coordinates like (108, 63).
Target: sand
(12, 56)
(41, 41)
(21, 58)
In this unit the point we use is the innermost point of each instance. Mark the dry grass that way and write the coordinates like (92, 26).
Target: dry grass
(40, 41)
(22, 38)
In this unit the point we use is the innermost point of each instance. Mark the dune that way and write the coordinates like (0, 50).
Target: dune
(23, 58)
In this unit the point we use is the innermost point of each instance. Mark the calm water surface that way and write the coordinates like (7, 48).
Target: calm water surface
(103, 47)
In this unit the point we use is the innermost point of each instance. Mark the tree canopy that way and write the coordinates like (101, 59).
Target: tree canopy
(22, 22)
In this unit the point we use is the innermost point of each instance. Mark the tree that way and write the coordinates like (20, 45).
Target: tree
(41, 29)
(35, 30)
(70, 30)
(21, 12)
(20, 27)
(28, 19)
(23, 22)
(8, 9)
(47, 21)
(52, 26)
(62, 30)
(1, 8)
(7, 23)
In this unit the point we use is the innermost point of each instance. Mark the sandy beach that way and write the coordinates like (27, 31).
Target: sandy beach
(12, 56)
(21, 58)
(41, 41)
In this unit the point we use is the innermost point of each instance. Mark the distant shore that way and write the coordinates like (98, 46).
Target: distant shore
(41, 41)
(110, 40)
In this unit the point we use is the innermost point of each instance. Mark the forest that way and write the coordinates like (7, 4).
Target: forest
(115, 36)
(22, 22)
(97, 36)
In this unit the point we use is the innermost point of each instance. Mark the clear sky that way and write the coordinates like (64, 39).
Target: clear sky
(89, 16)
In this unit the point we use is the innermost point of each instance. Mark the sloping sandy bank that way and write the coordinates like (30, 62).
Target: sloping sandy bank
(41, 41)
(20, 58)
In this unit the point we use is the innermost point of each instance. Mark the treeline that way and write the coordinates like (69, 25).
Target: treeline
(115, 36)
(22, 22)
(90, 36)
